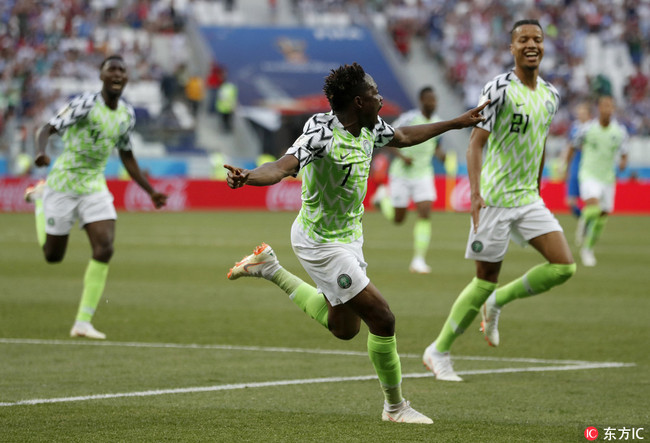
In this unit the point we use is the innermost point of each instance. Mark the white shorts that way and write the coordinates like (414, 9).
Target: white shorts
(604, 192)
(498, 225)
(338, 269)
(402, 190)
(62, 209)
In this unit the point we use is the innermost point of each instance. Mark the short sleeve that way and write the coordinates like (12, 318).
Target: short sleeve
(124, 142)
(495, 91)
(312, 144)
(75, 110)
(383, 132)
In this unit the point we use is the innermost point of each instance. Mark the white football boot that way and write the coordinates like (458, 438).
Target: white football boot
(587, 256)
(439, 363)
(261, 263)
(490, 320)
(418, 266)
(85, 329)
(404, 413)
(34, 192)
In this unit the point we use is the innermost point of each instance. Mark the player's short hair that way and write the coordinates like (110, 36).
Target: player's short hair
(426, 90)
(343, 84)
(109, 58)
(528, 21)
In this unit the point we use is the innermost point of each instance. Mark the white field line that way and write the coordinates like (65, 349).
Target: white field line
(564, 365)
(231, 387)
(29, 341)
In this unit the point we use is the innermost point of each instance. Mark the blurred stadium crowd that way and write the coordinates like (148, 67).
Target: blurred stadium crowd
(48, 47)
(592, 47)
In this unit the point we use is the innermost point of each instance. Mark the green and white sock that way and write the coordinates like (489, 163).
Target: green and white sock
(421, 237)
(538, 279)
(463, 312)
(305, 296)
(94, 282)
(383, 356)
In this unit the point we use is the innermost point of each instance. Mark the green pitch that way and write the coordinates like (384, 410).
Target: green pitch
(192, 356)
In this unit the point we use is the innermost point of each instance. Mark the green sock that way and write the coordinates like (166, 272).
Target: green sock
(463, 312)
(40, 221)
(383, 356)
(421, 236)
(305, 296)
(596, 228)
(538, 279)
(387, 208)
(590, 215)
(94, 282)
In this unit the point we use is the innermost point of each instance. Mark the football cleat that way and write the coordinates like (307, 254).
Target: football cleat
(439, 363)
(404, 414)
(490, 320)
(261, 263)
(34, 192)
(587, 256)
(418, 266)
(85, 329)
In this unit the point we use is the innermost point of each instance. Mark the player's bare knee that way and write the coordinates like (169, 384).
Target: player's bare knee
(346, 333)
(103, 253)
(53, 256)
(383, 324)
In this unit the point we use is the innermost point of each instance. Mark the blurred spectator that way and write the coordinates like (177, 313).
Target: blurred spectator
(227, 97)
(169, 87)
(213, 82)
(8, 131)
(194, 93)
(51, 49)
(636, 89)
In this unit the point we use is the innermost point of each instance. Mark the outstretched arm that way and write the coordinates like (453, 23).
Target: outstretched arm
(131, 165)
(413, 135)
(42, 137)
(264, 175)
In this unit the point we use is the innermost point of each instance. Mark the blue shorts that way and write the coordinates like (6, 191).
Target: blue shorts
(573, 187)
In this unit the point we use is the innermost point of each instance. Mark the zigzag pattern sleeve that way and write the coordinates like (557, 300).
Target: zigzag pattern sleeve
(556, 94)
(312, 144)
(124, 143)
(495, 91)
(384, 133)
(75, 110)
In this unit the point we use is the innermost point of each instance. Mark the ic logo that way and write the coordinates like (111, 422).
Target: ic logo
(591, 433)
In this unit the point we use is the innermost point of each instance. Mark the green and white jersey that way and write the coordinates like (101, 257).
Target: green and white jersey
(518, 120)
(600, 146)
(335, 168)
(421, 155)
(90, 131)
